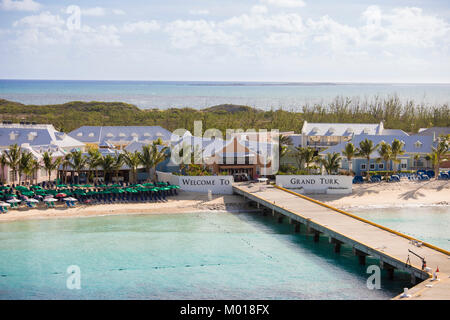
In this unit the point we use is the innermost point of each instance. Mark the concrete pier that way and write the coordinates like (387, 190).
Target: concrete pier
(365, 237)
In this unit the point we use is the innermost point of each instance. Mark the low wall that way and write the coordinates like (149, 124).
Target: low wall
(168, 177)
(329, 184)
(217, 184)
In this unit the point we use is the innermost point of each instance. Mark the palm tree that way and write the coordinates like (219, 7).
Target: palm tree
(350, 152)
(65, 163)
(331, 162)
(306, 156)
(3, 164)
(24, 164)
(366, 148)
(158, 156)
(283, 145)
(439, 154)
(416, 160)
(106, 164)
(385, 155)
(132, 159)
(13, 158)
(50, 164)
(77, 162)
(94, 160)
(397, 150)
(146, 158)
(117, 165)
(33, 169)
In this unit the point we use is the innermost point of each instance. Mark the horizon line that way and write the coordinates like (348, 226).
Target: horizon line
(232, 81)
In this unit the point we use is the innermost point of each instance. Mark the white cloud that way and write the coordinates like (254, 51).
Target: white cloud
(285, 3)
(118, 12)
(199, 12)
(95, 12)
(407, 26)
(189, 33)
(258, 10)
(43, 20)
(48, 29)
(16, 5)
(141, 26)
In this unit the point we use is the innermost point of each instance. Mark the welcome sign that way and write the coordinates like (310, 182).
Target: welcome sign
(217, 184)
(332, 184)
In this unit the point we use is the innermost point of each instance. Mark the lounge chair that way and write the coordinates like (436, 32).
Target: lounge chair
(358, 179)
(443, 176)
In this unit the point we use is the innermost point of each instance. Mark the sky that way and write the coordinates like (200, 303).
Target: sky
(226, 40)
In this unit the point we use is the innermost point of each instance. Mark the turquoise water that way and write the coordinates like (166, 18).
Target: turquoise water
(429, 224)
(159, 94)
(179, 256)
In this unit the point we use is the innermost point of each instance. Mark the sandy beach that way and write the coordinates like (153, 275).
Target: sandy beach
(396, 194)
(405, 193)
(183, 203)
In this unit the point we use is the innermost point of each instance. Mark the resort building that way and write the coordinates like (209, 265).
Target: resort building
(119, 136)
(325, 135)
(34, 139)
(416, 148)
(237, 156)
(40, 136)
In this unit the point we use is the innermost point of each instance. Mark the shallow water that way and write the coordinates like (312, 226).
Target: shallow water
(430, 224)
(179, 256)
(166, 94)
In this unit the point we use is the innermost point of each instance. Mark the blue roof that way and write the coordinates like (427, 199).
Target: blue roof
(97, 134)
(412, 144)
(34, 135)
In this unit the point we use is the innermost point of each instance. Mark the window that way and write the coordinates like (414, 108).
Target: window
(418, 144)
(91, 134)
(79, 134)
(363, 166)
(110, 135)
(403, 166)
(372, 166)
(381, 166)
(13, 136)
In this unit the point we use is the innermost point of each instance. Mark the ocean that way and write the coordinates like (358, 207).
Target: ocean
(199, 95)
(212, 255)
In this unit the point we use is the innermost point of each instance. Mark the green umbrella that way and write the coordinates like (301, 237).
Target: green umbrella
(77, 185)
(36, 187)
(148, 185)
(10, 195)
(87, 186)
(62, 186)
(22, 188)
(5, 188)
(102, 186)
(28, 193)
(130, 190)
